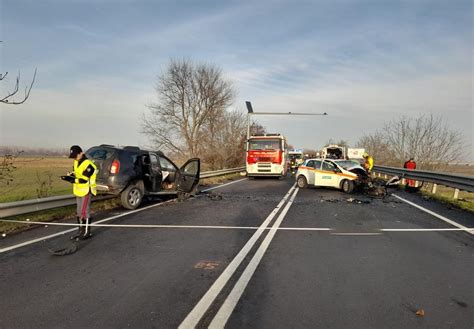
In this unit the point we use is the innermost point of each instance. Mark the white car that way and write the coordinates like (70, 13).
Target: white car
(340, 174)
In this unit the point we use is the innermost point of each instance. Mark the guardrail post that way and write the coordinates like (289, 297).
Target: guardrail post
(433, 190)
(456, 193)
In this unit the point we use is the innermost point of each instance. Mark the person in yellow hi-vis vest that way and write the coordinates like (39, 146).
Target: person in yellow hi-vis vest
(369, 162)
(83, 179)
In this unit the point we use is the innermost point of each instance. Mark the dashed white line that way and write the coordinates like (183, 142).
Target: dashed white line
(447, 220)
(193, 318)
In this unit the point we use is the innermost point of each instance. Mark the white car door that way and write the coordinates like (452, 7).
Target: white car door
(327, 176)
(310, 174)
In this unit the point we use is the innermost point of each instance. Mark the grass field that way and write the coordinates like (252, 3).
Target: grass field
(36, 177)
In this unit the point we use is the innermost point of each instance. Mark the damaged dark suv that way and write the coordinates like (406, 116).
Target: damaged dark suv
(133, 173)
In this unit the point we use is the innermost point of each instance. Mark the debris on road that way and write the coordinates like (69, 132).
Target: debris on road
(420, 313)
(207, 265)
(215, 196)
(329, 200)
(458, 302)
(63, 247)
(354, 200)
(65, 250)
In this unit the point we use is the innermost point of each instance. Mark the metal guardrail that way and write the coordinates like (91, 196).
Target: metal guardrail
(28, 206)
(209, 174)
(461, 182)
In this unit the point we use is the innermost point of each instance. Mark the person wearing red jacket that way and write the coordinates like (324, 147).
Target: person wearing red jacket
(410, 165)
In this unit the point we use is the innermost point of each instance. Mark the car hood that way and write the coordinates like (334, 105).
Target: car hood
(358, 170)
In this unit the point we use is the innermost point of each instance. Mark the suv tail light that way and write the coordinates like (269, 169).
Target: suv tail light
(114, 169)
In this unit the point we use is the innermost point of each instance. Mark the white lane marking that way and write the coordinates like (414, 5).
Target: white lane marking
(133, 225)
(193, 318)
(424, 229)
(231, 301)
(356, 234)
(219, 186)
(447, 220)
(100, 221)
(240, 227)
(72, 230)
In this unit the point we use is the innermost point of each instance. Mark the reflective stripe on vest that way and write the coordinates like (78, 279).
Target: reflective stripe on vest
(82, 189)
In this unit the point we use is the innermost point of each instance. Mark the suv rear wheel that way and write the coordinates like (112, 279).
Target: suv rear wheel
(132, 196)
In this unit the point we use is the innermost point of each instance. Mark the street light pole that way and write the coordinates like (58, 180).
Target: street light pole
(251, 112)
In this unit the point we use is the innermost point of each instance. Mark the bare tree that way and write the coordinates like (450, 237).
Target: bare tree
(8, 98)
(257, 129)
(427, 138)
(225, 146)
(190, 98)
(377, 147)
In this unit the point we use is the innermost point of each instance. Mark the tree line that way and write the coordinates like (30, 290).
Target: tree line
(428, 139)
(191, 117)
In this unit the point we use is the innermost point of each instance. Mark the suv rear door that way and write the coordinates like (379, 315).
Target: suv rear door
(102, 158)
(189, 175)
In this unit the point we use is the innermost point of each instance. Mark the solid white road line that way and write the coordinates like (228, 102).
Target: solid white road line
(231, 301)
(240, 227)
(193, 318)
(100, 221)
(447, 220)
(72, 230)
(355, 234)
(424, 229)
(135, 225)
(219, 186)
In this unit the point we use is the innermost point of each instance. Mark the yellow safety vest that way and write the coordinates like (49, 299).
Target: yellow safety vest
(82, 189)
(370, 163)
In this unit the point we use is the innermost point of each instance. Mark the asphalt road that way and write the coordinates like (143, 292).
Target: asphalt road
(215, 261)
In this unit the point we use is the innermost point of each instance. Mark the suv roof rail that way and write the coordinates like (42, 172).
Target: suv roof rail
(134, 148)
(106, 145)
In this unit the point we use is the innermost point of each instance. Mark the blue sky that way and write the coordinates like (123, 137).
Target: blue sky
(363, 62)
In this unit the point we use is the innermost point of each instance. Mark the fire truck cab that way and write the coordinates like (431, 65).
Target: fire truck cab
(266, 155)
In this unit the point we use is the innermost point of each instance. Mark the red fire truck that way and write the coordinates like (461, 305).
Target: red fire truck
(266, 155)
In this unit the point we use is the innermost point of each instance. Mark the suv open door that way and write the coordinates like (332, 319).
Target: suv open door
(189, 175)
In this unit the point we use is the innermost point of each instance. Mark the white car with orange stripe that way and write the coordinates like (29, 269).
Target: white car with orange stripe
(325, 172)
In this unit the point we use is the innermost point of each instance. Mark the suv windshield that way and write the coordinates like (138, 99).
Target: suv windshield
(264, 144)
